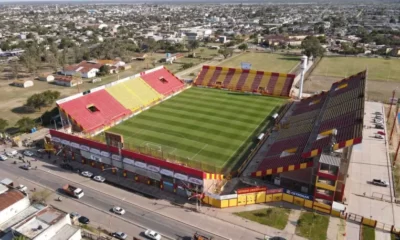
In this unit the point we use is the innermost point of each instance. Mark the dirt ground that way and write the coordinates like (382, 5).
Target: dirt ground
(376, 90)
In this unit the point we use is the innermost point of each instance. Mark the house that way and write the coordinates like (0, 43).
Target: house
(46, 77)
(86, 69)
(18, 217)
(139, 56)
(111, 63)
(23, 83)
(68, 81)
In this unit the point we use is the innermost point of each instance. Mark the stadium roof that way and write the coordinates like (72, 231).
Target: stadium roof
(332, 119)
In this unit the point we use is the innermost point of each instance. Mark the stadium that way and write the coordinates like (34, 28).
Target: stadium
(212, 137)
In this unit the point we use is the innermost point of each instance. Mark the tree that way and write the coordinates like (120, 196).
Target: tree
(3, 125)
(40, 196)
(104, 70)
(312, 47)
(36, 101)
(226, 52)
(50, 96)
(243, 47)
(20, 237)
(192, 45)
(25, 124)
(392, 20)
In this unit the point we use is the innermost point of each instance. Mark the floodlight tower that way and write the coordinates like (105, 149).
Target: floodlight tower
(303, 67)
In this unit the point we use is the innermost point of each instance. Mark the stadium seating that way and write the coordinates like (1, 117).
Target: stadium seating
(246, 80)
(277, 161)
(134, 94)
(163, 81)
(295, 142)
(94, 111)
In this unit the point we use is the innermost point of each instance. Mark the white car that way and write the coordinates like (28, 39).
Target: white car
(9, 154)
(380, 182)
(118, 210)
(28, 153)
(152, 234)
(87, 174)
(22, 188)
(3, 157)
(99, 178)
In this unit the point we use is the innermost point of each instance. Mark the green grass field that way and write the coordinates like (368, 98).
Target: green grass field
(378, 68)
(312, 226)
(264, 62)
(274, 217)
(204, 128)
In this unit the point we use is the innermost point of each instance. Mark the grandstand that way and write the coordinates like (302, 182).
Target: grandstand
(267, 83)
(323, 126)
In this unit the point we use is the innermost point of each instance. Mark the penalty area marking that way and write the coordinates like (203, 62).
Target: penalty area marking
(199, 151)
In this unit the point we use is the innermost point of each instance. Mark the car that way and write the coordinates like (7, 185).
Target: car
(380, 182)
(378, 120)
(3, 157)
(119, 235)
(83, 220)
(152, 234)
(26, 167)
(28, 153)
(67, 166)
(379, 126)
(99, 178)
(378, 136)
(9, 154)
(87, 174)
(378, 117)
(378, 113)
(41, 150)
(118, 210)
(74, 215)
(22, 188)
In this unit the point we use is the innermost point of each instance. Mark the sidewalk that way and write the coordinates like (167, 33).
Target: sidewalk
(172, 206)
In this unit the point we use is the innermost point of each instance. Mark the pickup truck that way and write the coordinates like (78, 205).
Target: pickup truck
(73, 191)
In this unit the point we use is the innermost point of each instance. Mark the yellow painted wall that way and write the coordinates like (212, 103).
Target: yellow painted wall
(224, 203)
(242, 199)
(335, 213)
(287, 198)
(322, 210)
(277, 197)
(268, 198)
(308, 204)
(205, 200)
(298, 201)
(251, 198)
(368, 222)
(322, 205)
(260, 197)
(233, 202)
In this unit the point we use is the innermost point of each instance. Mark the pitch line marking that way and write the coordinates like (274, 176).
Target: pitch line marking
(199, 151)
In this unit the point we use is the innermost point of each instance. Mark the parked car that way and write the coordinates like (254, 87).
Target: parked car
(3, 157)
(380, 182)
(87, 174)
(378, 120)
(67, 166)
(26, 167)
(379, 126)
(99, 178)
(152, 234)
(379, 136)
(22, 188)
(83, 220)
(118, 210)
(41, 150)
(74, 215)
(28, 153)
(378, 113)
(119, 235)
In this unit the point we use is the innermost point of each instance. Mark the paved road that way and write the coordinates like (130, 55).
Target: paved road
(143, 217)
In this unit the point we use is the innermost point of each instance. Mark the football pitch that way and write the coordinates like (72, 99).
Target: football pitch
(203, 128)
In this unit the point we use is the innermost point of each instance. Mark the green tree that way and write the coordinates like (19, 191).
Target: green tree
(50, 96)
(104, 70)
(312, 47)
(3, 125)
(25, 124)
(40, 196)
(226, 52)
(20, 237)
(36, 101)
(14, 65)
(192, 45)
(243, 47)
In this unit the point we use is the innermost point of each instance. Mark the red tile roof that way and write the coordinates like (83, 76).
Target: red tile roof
(9, 198)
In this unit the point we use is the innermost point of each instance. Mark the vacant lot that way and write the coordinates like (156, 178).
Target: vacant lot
(274, 217)
(378, 68)
(264, 62)
(204, 128)
(312, 226)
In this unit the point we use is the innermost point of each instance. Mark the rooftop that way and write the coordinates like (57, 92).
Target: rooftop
(10, 197)
(66, 232)
(32, 227)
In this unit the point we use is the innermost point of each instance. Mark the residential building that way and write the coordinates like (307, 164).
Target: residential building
(67, 81)
(85, 69)
(23, 83)
(46, 77)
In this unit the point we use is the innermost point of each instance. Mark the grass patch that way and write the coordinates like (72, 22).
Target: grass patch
(312, 226)
(378, 68)
(274, 217)
(368, 233)
(203, 128)
(264, 62)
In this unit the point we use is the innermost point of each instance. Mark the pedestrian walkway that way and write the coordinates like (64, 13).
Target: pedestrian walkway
(352, 230)
(382, 235)
(336, 229)
(292, 223)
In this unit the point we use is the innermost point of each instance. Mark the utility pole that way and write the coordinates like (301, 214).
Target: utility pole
(391, 103)
(397, 152)
(394, 121)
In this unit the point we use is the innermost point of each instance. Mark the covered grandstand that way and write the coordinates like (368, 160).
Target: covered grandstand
(100, 108)
(321, 127)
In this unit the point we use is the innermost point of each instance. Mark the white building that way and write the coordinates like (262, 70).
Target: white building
(46, 77)
(23, 83)
(12, 202)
